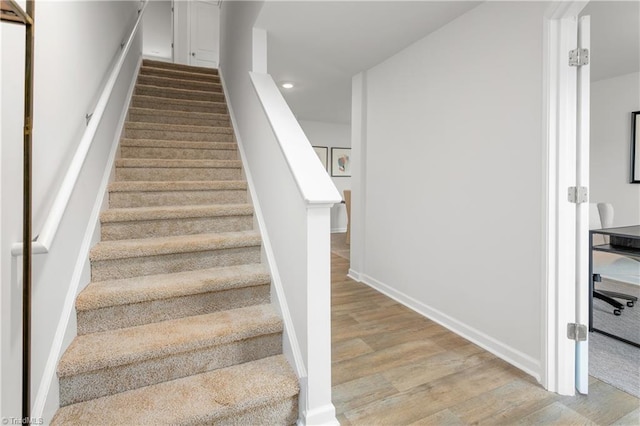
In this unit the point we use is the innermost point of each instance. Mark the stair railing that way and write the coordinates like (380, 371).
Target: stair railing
(12, 12)
(44, 239)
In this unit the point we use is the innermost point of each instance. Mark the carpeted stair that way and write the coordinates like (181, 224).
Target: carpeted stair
(176, 326)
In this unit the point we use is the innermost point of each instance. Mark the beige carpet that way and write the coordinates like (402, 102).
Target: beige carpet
(176, 326)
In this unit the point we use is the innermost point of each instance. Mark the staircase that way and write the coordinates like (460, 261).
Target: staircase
(176, 326)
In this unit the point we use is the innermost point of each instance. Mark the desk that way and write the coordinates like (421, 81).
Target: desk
(631, 237)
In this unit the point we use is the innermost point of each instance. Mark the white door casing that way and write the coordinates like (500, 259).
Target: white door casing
(561, 302)
(582, 220)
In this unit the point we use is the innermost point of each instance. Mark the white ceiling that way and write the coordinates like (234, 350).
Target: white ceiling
(615, 38)
(321, 45)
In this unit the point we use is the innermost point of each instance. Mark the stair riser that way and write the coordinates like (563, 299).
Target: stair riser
(176, 198)
(180, 67)
(161, 72)
(178, 153)
(177, 307)
(177, 119)
(283, 412)
(86, 386)
(179, 94)
(177, 135)
(114, 269)
(166, 104)
(178, 83)
(172, 227)
(176, 174)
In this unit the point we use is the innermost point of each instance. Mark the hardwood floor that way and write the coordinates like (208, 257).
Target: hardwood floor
(391, 366)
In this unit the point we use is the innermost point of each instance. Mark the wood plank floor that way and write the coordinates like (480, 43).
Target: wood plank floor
(391, 366)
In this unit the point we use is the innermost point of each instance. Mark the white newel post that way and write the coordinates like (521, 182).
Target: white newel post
(320, 409)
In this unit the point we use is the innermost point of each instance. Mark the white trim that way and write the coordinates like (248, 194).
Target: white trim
(523, 361)
(157, 58)
(50, 228)
(325, 415)
(559, 295)
(293, 354)
(339, 230)
(62, 330)
(582, 216)
(354, 275)
(313, 182)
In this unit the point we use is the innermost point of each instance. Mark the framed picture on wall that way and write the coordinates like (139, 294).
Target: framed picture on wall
(635, 147)
(323, 154)
(341, 162)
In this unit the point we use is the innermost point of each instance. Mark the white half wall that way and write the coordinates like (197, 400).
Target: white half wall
(612, 101)
(453, 164)
(337, 135)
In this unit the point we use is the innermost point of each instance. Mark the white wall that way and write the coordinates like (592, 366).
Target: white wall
(157, 30)
(75, 45)
(612, 101)
(453, 156)
(322, 133)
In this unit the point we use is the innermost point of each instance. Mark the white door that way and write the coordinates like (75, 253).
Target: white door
(582, 213)
(204, 26)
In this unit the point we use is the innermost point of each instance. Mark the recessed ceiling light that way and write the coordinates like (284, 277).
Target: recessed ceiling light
(287, 85)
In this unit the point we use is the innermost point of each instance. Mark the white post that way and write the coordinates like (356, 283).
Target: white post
(320, 409)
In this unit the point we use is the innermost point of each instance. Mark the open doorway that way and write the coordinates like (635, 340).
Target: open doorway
(614, 95)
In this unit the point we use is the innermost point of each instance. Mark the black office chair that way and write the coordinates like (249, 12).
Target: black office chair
(611, 296)
(603, 218)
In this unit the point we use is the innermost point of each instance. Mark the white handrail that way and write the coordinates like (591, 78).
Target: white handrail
(43, 241)
(314, 184)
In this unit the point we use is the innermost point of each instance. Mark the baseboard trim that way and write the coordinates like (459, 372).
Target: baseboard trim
(514, 357)
(325, 415)
(354, 275)
(64, 334)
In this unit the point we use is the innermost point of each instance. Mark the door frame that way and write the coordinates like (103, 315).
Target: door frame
(560, 300)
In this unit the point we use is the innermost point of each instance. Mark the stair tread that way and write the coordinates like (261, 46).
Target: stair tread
(164, 112)
(121, 249)
(198, 399)
(107, 349)
(141, 125)
(164, 79)
(103, 294)
(177, 90)
(162, 143)
(192, 72)
(197, 185)
(191, 75)
(173, 66)
(170, 163)
(174, 212)
(164, 100)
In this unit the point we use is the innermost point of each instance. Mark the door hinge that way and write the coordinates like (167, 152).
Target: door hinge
(577, 332)
(578, 57)
(578, 194)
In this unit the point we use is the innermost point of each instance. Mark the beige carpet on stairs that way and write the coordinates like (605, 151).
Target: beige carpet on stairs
(176, 326)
